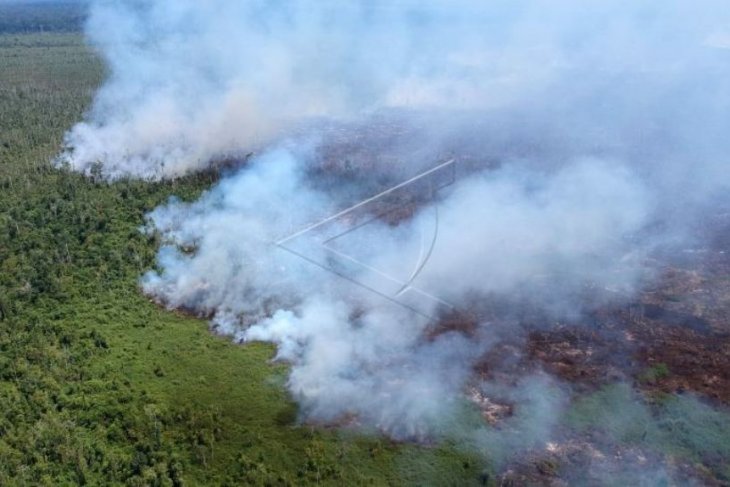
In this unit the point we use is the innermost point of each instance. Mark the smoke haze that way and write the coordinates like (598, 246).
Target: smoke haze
(590, 134)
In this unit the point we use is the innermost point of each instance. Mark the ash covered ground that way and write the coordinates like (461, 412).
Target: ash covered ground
(559, 307)
(644, 376)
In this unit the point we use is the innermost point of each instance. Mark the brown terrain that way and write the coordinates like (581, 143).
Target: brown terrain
(672, 337)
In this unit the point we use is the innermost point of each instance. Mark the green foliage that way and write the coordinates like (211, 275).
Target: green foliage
(655, 373)
(98, 385)
(616, 410)
(679, 425)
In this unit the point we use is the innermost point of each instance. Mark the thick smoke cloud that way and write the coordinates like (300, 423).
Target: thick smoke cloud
(378, 363)
(190, 82)
(593, 133)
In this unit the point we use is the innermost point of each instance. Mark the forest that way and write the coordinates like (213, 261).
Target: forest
(99, 386)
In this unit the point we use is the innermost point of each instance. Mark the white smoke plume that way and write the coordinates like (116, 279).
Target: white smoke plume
(591, 122)
(353, 352)
(190, 82)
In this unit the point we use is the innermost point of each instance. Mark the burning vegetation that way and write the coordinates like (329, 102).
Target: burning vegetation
(557, 304)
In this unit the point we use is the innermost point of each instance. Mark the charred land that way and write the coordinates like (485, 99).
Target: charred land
(557, 318)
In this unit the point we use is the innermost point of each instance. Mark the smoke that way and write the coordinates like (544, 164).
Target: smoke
(681, 425)
(539, 403)
(190, 83)
(353, 352)
(589, 134)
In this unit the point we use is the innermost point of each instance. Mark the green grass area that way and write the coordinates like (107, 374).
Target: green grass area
(98, 385)
(655, 373)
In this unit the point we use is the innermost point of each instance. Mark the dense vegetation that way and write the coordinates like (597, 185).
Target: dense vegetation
(98, 385)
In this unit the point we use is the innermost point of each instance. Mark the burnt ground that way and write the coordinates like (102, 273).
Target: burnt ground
(671, 340)
(674, 338)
